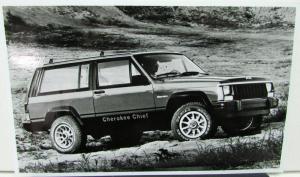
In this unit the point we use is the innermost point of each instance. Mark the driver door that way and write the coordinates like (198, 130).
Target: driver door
(121, 88)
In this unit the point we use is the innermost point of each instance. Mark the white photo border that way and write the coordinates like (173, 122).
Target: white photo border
(290, 145)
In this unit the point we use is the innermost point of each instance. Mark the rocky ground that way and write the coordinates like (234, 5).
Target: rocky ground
(157, 150)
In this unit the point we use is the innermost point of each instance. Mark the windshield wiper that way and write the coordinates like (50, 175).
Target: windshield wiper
(168, 74)
(192, 73)
(189, 73)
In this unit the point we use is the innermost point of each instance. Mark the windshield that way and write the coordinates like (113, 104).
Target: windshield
(167, 65)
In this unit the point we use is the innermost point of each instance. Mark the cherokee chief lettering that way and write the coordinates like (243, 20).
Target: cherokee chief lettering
(125, 117)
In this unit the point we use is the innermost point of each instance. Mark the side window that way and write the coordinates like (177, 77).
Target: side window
(84, 76)
(113, 73)
(67, 78)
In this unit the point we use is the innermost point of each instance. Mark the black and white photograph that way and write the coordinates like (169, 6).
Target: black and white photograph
(149, 88)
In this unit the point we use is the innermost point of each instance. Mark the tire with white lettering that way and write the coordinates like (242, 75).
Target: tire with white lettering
(192, 121)
(66, 135)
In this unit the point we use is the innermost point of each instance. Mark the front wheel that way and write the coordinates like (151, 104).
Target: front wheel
(192, 121)
(66, 135)
(242, 125)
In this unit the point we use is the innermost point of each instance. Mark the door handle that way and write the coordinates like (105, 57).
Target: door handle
(99, 91)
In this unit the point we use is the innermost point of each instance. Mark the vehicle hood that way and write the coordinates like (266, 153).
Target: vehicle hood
(220, 79)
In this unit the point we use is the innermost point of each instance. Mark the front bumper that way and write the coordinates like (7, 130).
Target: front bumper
(245, 107)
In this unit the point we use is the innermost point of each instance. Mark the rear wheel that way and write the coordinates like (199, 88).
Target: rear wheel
(192, 121)
(66, 135)
(242, 125)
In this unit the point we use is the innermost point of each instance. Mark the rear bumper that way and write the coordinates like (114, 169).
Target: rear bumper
(32, 126)
(246, 107)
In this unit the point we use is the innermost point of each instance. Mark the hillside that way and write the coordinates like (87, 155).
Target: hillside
(250, 17)
(67, 16)
(131, 27)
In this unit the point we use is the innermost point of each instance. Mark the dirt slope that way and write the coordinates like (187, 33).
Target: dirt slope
(69, 15)
(232, 17)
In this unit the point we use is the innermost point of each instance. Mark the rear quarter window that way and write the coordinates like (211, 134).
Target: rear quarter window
(67, 78)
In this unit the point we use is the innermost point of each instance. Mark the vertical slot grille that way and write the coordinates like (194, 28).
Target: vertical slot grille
(246, 91)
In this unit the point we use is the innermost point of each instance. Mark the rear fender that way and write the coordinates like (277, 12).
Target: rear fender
(61, 111)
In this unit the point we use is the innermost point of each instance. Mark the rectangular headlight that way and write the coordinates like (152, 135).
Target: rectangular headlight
(269, 87)
(226, 90)
(220, 93)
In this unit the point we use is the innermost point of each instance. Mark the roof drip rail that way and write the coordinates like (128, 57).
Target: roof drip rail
(114, 54)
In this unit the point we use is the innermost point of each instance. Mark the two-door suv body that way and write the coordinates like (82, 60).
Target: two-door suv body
(125, 94)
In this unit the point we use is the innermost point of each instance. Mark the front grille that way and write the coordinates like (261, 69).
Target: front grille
(246, 91)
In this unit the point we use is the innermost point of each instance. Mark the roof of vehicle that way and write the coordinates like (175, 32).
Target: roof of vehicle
(111, 56)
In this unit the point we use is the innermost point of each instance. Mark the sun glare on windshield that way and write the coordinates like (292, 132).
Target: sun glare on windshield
(165, 65)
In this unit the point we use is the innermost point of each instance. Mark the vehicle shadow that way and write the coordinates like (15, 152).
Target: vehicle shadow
(105, 143)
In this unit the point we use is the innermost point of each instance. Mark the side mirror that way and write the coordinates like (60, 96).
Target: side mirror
(140, 80)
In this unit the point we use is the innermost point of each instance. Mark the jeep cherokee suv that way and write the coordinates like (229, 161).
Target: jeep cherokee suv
(123, 95)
